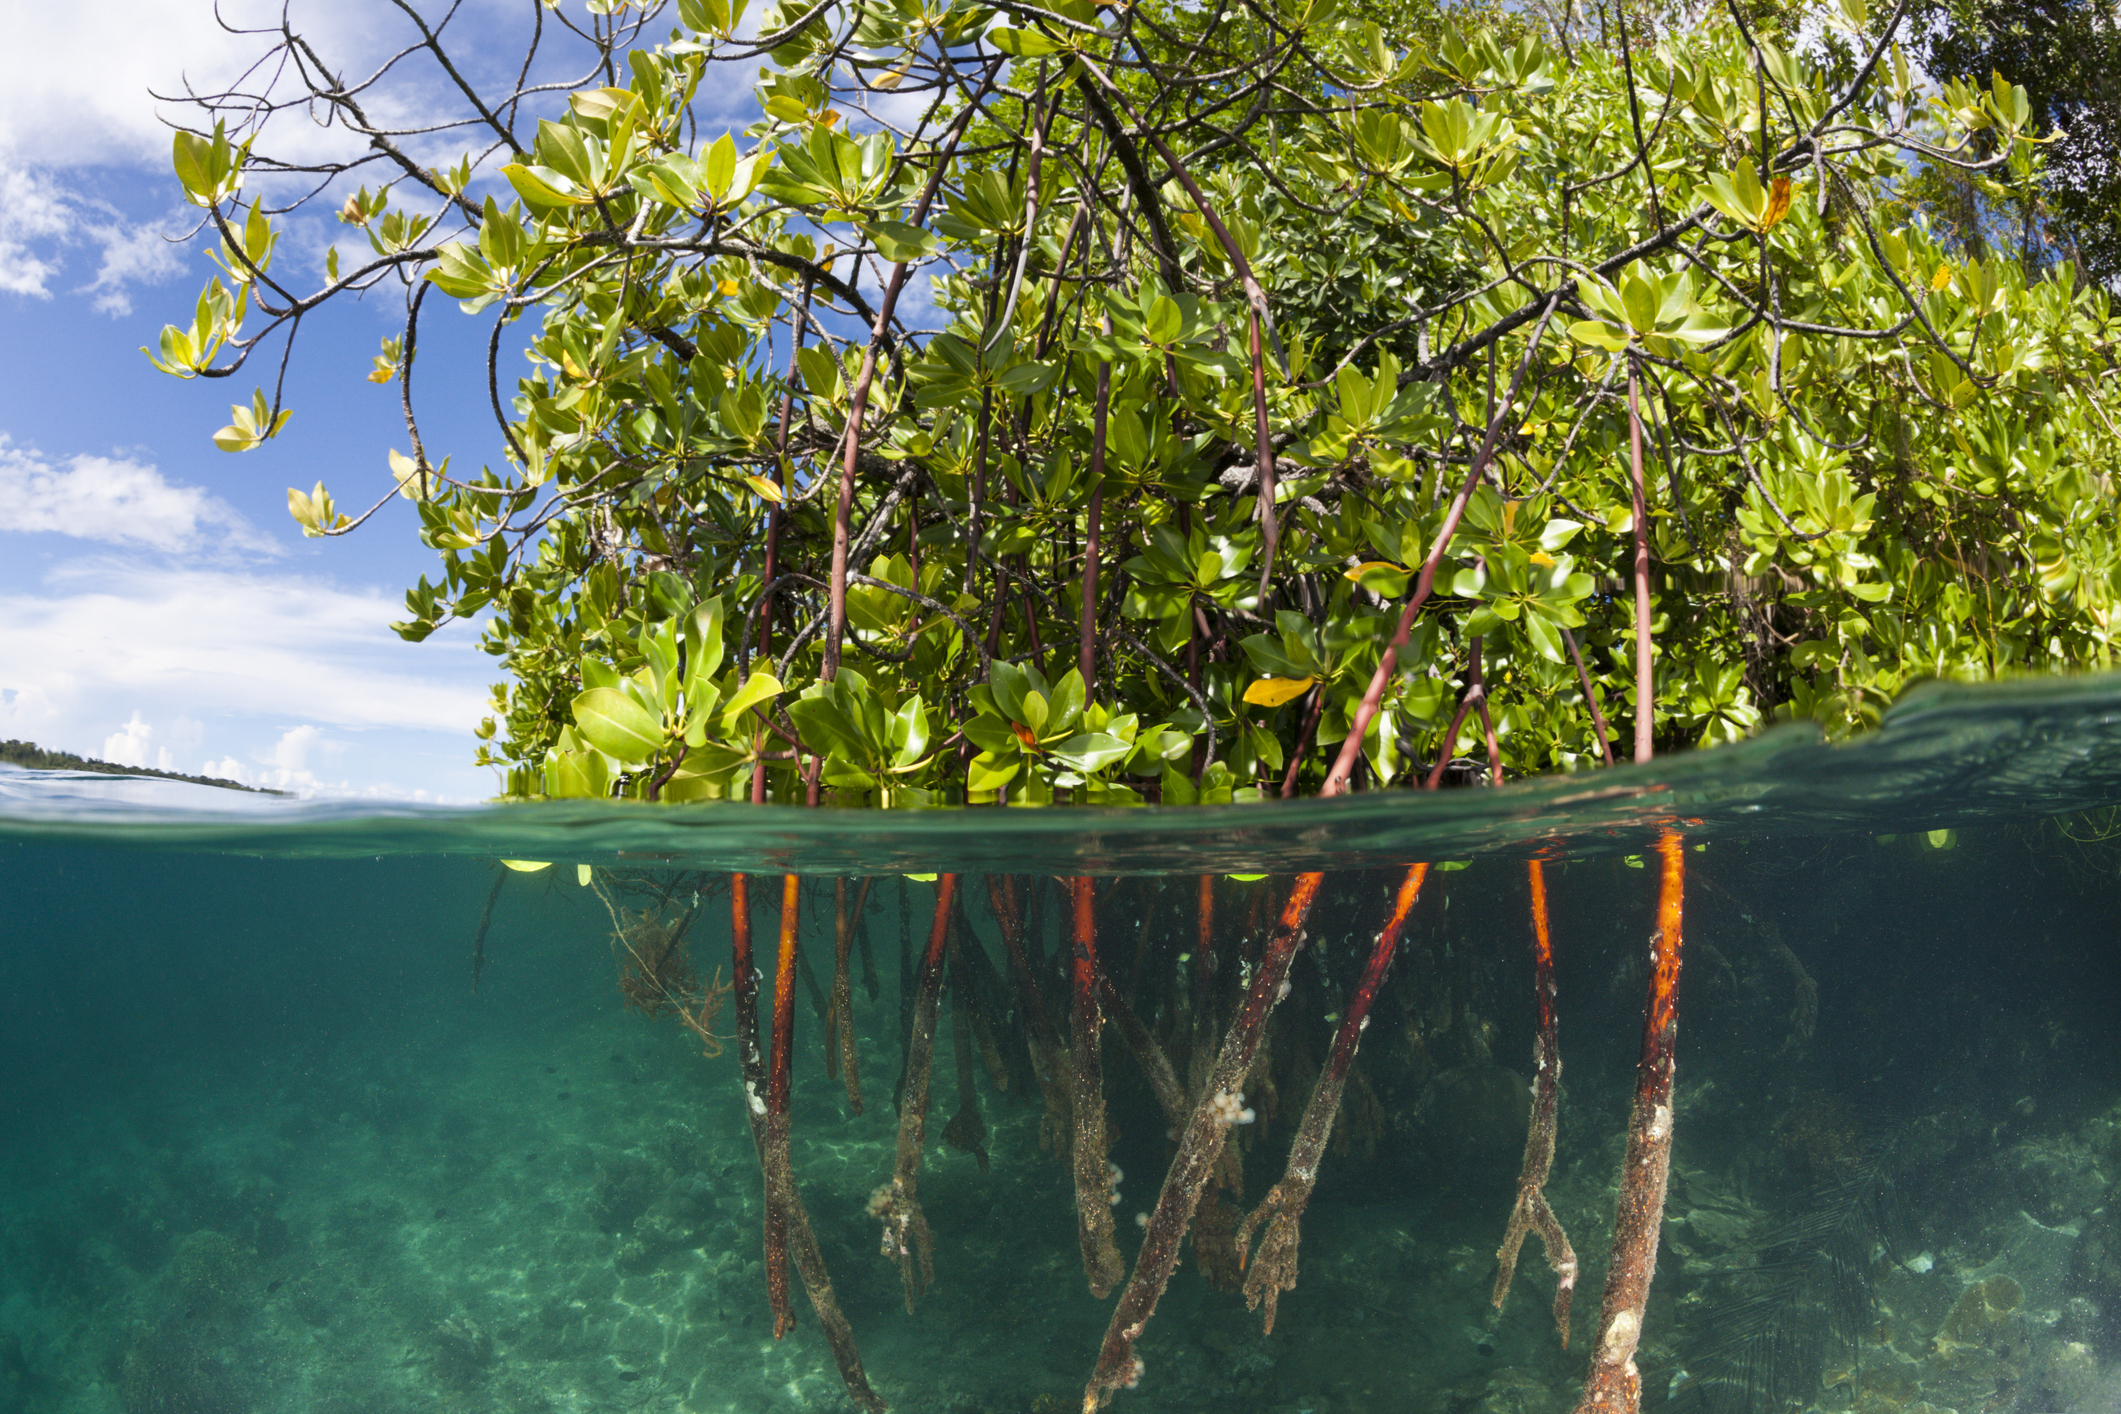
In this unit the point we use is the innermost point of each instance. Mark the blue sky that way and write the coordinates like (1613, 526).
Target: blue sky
(157, 605)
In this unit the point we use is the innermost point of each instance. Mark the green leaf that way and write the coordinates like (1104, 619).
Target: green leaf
(1023, 43)
(901, 242)
(826, 729)
(1009, 684)
(1598, 335)
(910, 732)
(579, 774)
(1545, 637)
(1028, 379)
(706, 16)
(1091, 751)
(1382, 577)
(703, 640)
(759, 687)
(1558, 533)
(718, 168)
(1066, 707)
(993, 735)
(542, 186)
(986, 773)
(618, 725)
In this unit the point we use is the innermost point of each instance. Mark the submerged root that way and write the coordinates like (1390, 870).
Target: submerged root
(842, 1057)
(1049, 1060)
(787, 1232)
(1093, 1173)
(1614, 1385)
(1199, 1150)
(896, 1204)
(1531, 1213)
(967, 1130)
(1272, 1268)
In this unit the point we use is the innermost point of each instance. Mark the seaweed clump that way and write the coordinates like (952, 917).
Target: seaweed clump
(656, 974)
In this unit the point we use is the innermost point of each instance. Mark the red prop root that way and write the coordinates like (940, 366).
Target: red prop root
(1532, 1212)
(1273, 1267)
(788, 1231)
(1093, 1173)
(1614, 1386)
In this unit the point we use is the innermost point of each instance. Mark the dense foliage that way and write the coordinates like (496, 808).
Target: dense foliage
(1254, 321)
(2067, 55)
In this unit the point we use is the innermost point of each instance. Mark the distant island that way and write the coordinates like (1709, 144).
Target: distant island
(36, 758)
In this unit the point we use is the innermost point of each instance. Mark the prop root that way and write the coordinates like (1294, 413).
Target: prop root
(1093, 1176)
(1272, 1269)
(1049, 1061)
(478, 944)
(897, 1204)
(967, 1130)
(841, 1054)
(1614, 1386)
(1532, 1212)
(1221, 1105)
(788, 1231)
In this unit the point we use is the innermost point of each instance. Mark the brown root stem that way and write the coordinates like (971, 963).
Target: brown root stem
(897, 1204)
(1272, 1269)
(1614, 1385)
(1532, 1213)
(1200, 1147)
(1093, 1174)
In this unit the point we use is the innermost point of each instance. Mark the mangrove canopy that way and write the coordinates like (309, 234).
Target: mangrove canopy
(1172, 402)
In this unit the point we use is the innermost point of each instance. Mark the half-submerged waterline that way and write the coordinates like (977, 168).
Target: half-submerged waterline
(1035, 1139)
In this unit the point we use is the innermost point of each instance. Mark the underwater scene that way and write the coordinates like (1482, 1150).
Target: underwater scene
(1779, 1078)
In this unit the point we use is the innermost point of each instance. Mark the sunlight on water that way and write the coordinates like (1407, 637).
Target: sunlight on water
(305, 1109)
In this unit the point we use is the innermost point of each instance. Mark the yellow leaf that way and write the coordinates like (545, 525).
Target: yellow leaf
(1778, 204)
(527, 866)
(731, 288)
(1942, 278)
(1366, 566)
(1542, 558)
(581, 875)
(1272, 692)
(766, 489)
(412, 483)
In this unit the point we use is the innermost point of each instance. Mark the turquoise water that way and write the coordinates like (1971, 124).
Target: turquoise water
(264, 1147)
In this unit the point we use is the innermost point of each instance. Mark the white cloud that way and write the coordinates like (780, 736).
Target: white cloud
(118, 501)
(76, 80)
(61, 116)
(128, 746)
(40, 217)
(274, 680)
(213, 644)
(286, 766)
(33, 211)
(141, 256)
